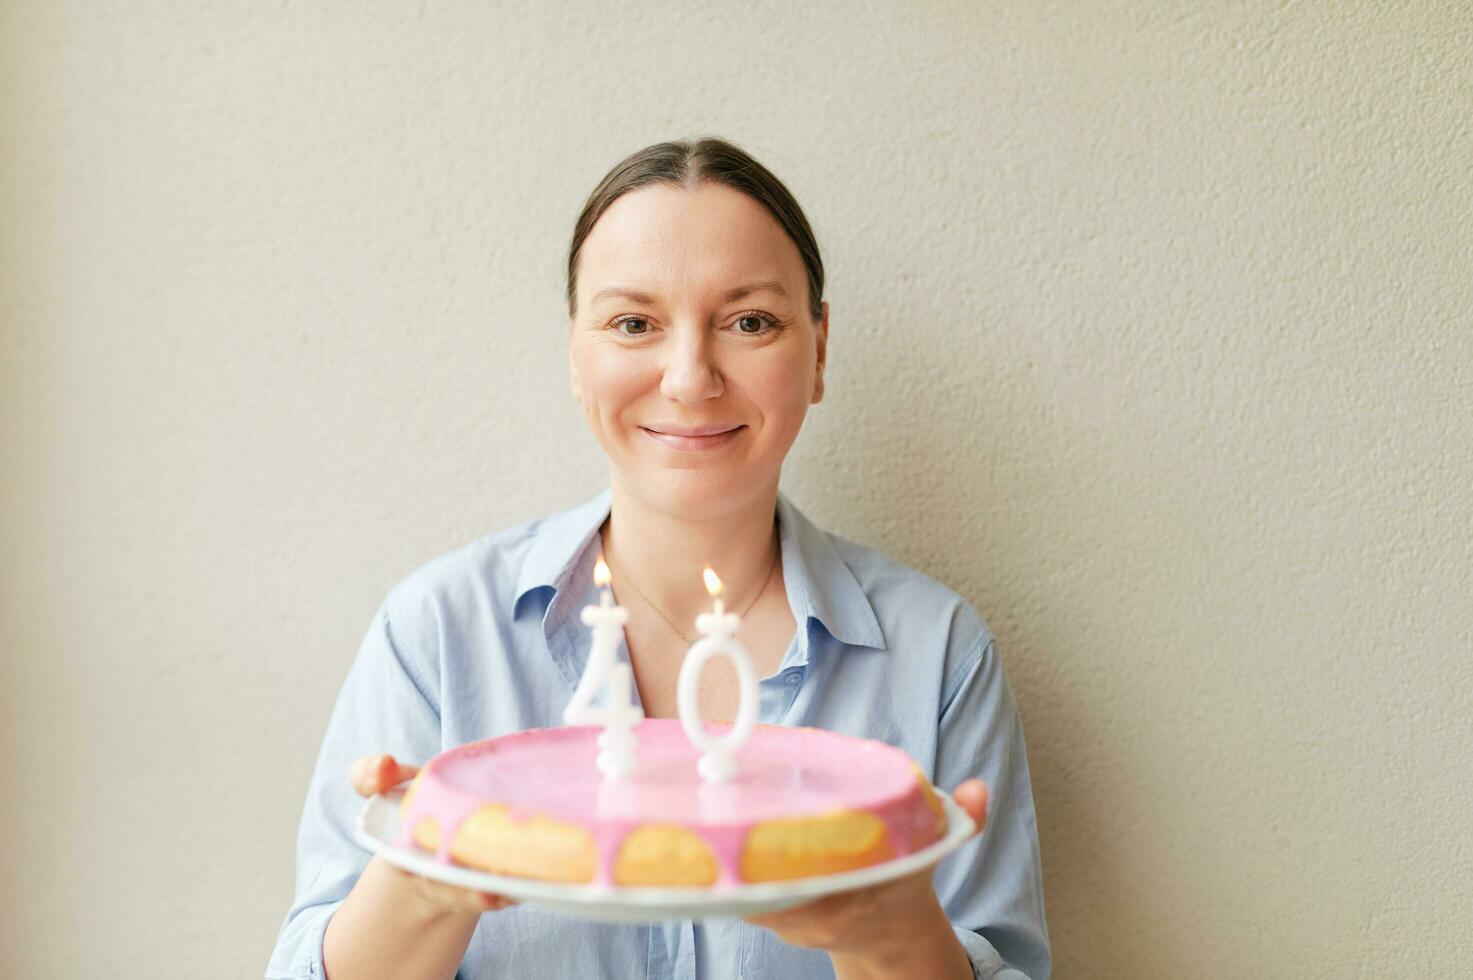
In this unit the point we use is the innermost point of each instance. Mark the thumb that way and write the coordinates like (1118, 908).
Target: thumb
(972, 795)
(374, 774)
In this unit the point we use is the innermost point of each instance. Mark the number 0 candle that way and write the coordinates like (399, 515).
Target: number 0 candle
(718, 628)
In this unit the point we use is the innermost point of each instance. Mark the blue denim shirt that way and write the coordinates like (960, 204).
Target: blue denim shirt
(486, 640)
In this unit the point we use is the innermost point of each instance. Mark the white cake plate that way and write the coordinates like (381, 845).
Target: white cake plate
(378, 830)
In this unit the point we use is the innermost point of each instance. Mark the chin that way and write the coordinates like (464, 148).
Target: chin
(695, 494)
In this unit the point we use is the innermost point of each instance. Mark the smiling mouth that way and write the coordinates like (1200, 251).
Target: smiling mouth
(695, 439)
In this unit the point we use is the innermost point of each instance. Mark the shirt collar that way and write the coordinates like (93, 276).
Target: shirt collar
(820, 585)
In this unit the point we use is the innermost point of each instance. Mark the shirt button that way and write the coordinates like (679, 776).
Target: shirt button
(794, 676)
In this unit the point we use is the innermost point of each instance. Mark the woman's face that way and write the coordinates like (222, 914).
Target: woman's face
(693, 354)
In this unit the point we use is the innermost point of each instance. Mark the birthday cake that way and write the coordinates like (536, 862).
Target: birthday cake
(802, 802)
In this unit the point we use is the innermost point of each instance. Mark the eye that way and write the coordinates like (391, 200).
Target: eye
(754, 323)
(631, 326)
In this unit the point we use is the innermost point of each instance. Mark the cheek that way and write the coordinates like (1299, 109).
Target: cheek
(610, 384)
(783, 389)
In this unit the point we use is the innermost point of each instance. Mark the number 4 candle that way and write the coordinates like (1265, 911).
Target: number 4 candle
(617, 742)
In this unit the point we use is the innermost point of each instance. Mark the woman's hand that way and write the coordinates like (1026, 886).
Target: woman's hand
(885, 929)
(373, 774)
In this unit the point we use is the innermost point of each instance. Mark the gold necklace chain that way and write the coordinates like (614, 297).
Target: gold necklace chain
(678, 631)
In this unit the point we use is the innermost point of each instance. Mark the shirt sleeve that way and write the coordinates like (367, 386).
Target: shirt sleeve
(384, 706)
(992, 887)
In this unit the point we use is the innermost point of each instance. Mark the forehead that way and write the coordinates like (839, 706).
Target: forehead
(664, 237)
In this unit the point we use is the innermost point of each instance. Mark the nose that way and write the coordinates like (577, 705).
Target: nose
(691, 373)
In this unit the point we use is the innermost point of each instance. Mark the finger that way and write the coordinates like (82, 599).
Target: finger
(462, 899)
(972, 796)
(396, 773)
(781, 918)
(370, 773)
(358, 775)
(445, 896)
(376, 773)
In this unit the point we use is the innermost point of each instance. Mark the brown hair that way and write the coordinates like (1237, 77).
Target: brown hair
(687, 164)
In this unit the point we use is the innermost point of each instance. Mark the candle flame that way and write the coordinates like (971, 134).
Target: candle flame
(601, 574)
(713, 584)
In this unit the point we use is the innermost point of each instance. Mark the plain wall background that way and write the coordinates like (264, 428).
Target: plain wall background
(1151, 335)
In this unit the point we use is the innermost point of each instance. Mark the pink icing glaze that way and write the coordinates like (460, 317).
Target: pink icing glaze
(784, 773)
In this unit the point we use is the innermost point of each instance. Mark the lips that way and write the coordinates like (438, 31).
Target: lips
(693, 438)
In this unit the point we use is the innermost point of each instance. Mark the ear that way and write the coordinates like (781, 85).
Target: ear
(823, 348)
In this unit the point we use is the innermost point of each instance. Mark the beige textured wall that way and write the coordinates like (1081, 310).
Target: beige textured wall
(1151, 335)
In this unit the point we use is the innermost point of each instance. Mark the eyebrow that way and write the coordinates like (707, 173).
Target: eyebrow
(731, 294)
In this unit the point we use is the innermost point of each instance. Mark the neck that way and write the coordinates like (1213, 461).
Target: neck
(663, 553)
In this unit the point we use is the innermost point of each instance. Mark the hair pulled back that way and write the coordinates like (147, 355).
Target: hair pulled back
(688, 164)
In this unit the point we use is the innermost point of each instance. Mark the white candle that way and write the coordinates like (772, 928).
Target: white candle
(718, 627)
(619, 715)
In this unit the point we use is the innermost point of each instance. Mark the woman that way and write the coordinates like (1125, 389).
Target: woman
(698, 341)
